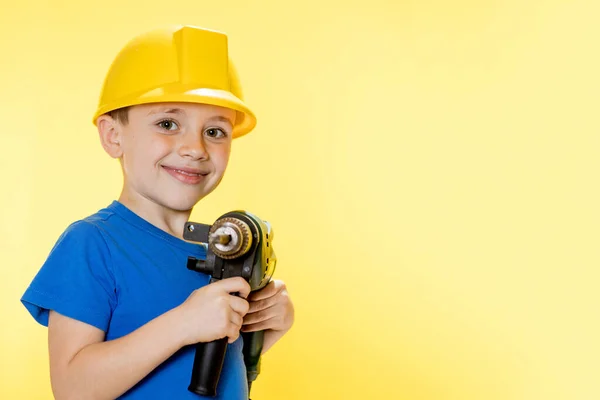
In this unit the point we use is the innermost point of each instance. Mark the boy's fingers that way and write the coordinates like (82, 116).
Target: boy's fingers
(270, 290)
(262, 304)
(239, 305)
(236, 319)
(260, 316)
(233, 334)
(263, 293)
(233, 285)
(260, 326)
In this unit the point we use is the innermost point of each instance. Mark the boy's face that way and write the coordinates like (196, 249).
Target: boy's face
(172, 154)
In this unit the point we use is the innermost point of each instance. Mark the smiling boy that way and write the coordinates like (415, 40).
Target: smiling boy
(121, 308)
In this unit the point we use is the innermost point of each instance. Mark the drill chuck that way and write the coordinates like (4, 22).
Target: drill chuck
(221, 239)
(230, 238)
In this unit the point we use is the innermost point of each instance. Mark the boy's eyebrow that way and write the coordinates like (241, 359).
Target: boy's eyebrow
(181, 111)
(222, 119)
(167, 111)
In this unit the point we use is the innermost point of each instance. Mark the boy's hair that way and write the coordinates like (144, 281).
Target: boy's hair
(121, 115)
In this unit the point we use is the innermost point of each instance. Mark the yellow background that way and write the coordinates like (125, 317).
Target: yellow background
(430, 169)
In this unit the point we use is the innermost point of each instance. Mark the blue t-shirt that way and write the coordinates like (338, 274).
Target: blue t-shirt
(116, 271)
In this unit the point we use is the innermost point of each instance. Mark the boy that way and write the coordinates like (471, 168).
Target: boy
(122, 309)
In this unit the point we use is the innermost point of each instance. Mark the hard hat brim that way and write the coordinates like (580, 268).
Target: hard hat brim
(245, 119)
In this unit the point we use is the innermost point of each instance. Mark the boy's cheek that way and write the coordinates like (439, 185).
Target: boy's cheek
(220, 160)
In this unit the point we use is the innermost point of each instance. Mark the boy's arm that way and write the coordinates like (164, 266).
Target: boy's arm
(84, 366)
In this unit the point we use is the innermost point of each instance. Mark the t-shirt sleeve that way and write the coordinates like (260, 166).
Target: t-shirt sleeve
(76, 279)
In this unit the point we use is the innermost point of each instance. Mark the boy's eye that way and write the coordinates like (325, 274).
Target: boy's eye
(215, 133)
(168, 124)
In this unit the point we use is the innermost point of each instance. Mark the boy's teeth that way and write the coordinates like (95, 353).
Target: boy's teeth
(187, 173)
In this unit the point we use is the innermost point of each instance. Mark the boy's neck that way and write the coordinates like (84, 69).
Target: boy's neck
(164, 218)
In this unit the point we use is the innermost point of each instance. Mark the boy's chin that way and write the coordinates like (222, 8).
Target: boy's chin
(182, 202)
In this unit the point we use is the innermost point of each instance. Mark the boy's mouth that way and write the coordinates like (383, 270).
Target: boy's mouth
(190, 176)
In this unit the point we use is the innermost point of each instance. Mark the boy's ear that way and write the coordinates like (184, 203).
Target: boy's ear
(110, 135)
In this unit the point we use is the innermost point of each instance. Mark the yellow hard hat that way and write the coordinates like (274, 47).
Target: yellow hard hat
(176, 64)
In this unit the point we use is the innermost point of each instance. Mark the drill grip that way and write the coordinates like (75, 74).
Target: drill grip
(253, 345)
(208, 363)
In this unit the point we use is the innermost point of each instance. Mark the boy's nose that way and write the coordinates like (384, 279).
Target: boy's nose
(193, 148)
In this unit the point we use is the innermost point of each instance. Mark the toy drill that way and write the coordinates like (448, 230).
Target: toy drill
(239, 244)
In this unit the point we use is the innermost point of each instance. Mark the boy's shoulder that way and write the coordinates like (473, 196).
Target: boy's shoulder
(89, 227)
(101, 218)
(76, 279)
(91, 222)
(113, 217)
(119, 227)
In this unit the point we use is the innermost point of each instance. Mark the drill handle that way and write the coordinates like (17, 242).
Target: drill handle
(253, 345)
(208, 363)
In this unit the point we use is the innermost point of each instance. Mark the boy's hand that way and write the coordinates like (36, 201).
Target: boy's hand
(270, 309)
(212, 312)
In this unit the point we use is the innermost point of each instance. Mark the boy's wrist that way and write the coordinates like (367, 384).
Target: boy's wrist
(175, 331)
(271, 337)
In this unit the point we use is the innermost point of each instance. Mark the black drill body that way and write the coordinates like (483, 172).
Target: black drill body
(238, 245)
